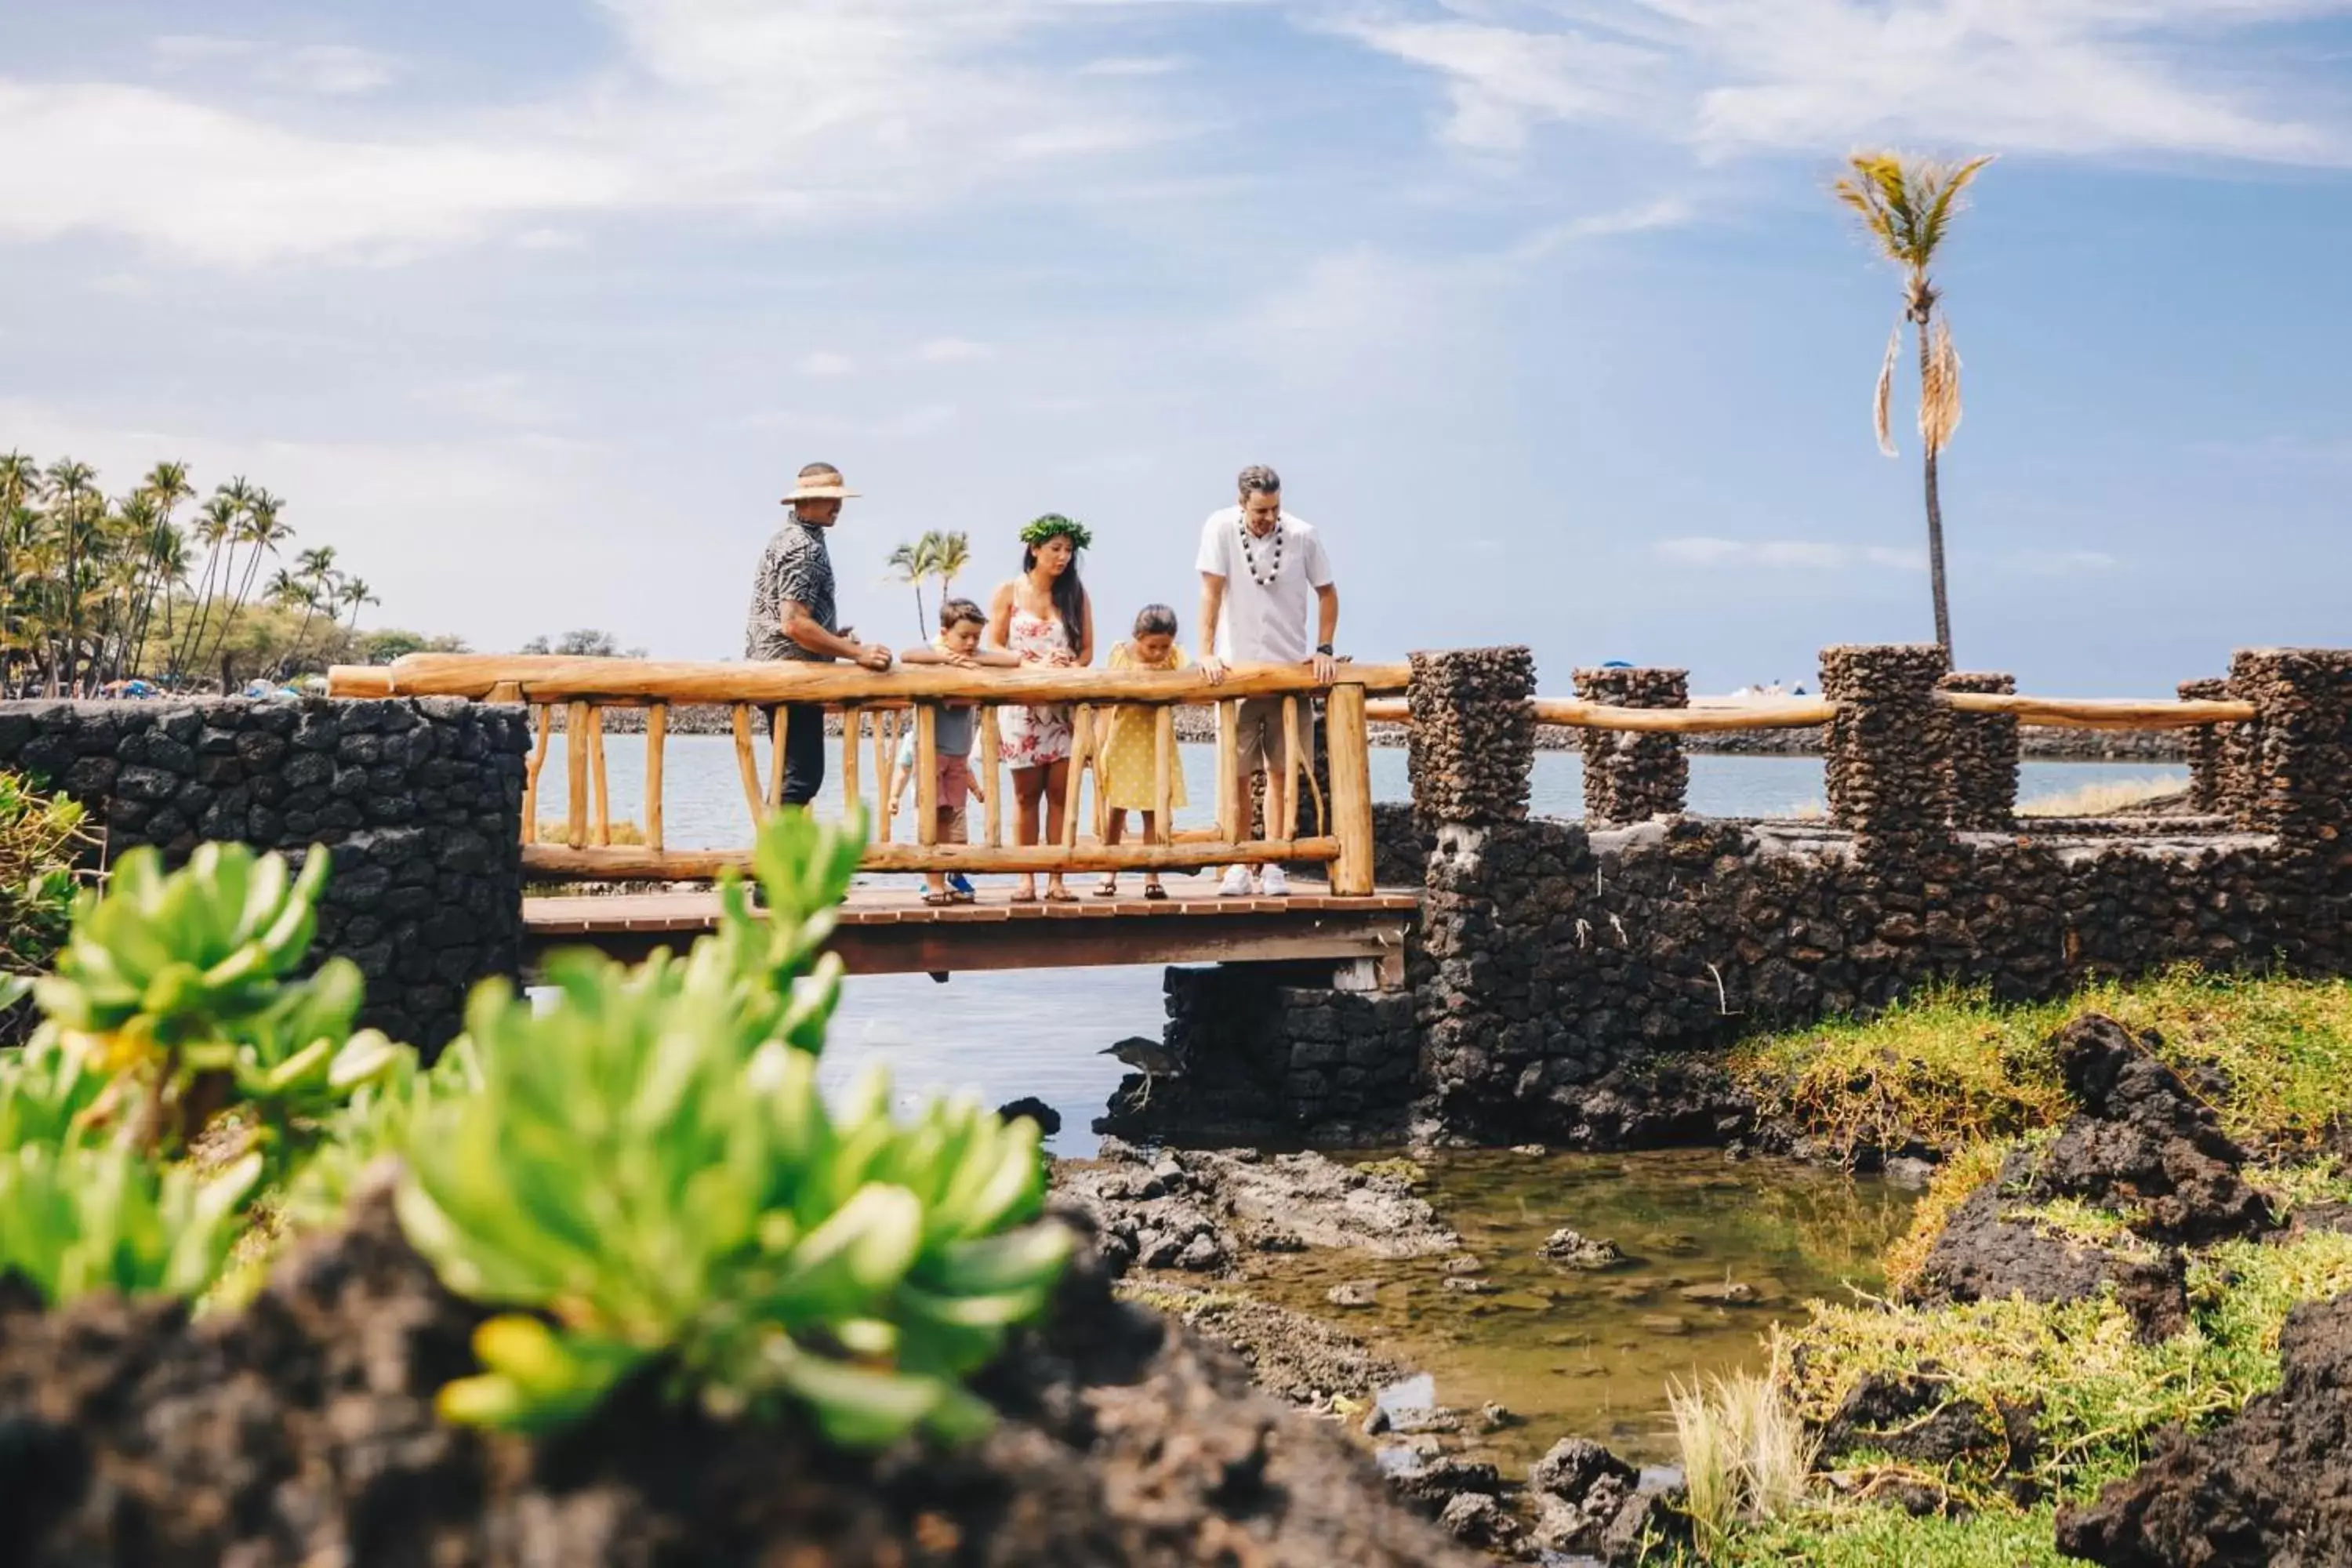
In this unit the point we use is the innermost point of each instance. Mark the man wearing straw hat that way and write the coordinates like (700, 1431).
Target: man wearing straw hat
(1262, 571)
(793, 618)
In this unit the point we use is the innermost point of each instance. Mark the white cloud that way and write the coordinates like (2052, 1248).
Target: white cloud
(330, 70)
(952, 351)
(772, 110)
(1788, 553)
(825, 361)
(2071, 77)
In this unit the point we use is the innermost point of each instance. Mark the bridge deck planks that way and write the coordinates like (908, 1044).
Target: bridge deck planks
(892, 931)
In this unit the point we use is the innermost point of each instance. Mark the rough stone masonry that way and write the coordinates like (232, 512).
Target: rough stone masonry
(419, 801)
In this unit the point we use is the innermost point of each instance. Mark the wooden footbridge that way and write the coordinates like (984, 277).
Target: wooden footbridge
(1320, 819)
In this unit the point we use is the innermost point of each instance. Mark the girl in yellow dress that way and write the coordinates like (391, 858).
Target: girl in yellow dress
(1129, 776)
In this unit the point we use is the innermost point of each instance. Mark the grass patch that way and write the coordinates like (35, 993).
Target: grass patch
(1746, 1456)
(1409, 1171)
(1176, 1301)
(2102, 1393)
(2072, 1219)
(1862, 1536)
(1950, 1068)
(556, 830)
(2101, 799)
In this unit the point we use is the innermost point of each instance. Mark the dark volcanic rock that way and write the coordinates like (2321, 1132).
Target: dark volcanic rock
(2143, 1146)
(1917, 1419)
(301, 1431)
(2274, 1487)
(1590, 1501)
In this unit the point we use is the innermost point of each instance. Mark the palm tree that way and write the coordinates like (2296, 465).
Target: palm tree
(912, 563)
(261, 532)
(951, 553)
(72, 486)
(20, 486)
(215, 525)
(315, 571)
(167, 485)
(1907, 208)
(356, 593)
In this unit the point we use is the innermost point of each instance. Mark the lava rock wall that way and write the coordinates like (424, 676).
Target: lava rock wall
(418, 799)
(1570, 977)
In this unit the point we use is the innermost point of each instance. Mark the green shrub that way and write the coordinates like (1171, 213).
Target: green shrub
(40, 838)
(647, 1163)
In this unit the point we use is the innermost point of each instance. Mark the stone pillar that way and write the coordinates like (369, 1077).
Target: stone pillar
(1473, 744)
(1885, 772)
(1982, 758)
(2298, 759)
(2217, 753)
(1632, 777)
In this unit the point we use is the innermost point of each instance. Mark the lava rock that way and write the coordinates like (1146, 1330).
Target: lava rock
(1573, 1249)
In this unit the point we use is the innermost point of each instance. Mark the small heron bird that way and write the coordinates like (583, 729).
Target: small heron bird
(1147, 1057)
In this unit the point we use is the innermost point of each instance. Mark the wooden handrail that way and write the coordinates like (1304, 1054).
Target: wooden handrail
(2052, 713)
(2099, 712)
(550, 679)
(630, 863)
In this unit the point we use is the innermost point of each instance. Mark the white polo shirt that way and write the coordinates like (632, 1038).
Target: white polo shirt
(1269, 622)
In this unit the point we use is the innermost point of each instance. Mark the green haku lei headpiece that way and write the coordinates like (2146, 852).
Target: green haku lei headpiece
(1053, 524)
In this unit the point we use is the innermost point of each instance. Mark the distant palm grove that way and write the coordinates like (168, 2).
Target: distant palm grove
(96, 591)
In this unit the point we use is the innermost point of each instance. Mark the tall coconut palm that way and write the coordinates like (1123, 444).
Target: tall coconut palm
(20, 486)
(167, 486)
(1906, 207)
(215, 525)
(315, 571)
(951, 553)
(72, 486)
(354, 593)
(911, 563)
(261, 534)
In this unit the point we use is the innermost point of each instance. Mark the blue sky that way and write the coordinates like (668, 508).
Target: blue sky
(1540, 306)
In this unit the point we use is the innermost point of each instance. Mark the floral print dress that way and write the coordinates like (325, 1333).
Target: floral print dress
(1036, 737)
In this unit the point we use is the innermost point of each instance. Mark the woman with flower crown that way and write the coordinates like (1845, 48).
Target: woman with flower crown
(1044, 617)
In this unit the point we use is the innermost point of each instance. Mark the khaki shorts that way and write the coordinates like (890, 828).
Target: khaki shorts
(1258, 736)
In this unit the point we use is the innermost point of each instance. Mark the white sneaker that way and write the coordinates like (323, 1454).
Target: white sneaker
(1237, 883)
(1275, 883)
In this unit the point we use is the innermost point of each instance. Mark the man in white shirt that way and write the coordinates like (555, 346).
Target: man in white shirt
(1261, 570)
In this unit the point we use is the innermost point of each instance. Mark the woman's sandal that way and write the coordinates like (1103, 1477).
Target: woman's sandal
(1108, 887)
(1060, 896)
(1153, 892)
(958, 896)
(939, 900)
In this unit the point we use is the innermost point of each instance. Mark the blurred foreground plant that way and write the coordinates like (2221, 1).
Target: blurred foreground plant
(174, 989)
(648, 1164)
(40, 837)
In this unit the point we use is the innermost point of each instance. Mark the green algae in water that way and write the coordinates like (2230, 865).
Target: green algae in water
(1717, 1250)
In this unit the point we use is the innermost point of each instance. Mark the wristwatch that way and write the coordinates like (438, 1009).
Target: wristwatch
(1324, 649)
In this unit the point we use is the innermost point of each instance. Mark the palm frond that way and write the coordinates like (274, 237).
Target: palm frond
(1942, 184)
(1885, 396)
(1939, 392)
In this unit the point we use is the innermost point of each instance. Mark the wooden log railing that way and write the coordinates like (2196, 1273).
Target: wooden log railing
(1721, 718)
(904, 705)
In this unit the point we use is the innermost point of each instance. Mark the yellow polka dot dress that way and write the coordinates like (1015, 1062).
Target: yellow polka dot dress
(1129, 783)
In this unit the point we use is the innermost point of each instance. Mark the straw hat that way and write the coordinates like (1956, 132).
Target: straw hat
(819, 487)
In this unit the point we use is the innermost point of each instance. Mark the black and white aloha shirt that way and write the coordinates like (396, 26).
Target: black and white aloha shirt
(795, 567)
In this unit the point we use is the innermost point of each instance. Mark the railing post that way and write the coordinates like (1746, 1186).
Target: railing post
(531, 771)
(1472, 748)
(1632, 777)
(927, 773)
(1348, 744)
(2217, 753)
(657, 745)
(1884, 771)
(1981, 757)
(2299, 756)
(576, 723)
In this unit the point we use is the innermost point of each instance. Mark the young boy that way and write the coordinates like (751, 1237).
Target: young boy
(958, 644)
